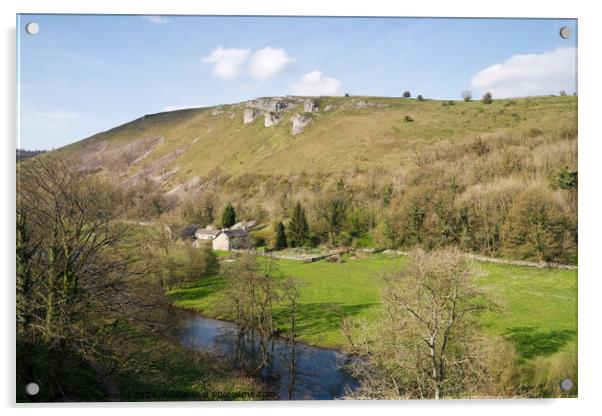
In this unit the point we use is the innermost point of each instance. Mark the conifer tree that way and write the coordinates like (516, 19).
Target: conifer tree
(298, 234)
(280, 237)
(228, 216)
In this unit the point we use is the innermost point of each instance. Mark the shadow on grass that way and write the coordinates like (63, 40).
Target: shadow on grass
(197, 290)
(321, 317)
(530, 342)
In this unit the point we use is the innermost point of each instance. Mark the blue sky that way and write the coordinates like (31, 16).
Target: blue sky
(82, 74)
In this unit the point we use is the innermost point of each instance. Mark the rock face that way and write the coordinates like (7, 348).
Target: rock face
(271, 119)
(268, 104)
(250, 115)
(299, 123)
(310, 106)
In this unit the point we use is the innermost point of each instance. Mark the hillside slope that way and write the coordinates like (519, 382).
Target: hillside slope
(497, 179)
(355, 133)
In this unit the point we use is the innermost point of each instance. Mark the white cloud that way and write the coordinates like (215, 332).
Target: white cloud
(268, 62)
(158, 20)
(315, 83)
(227, 63)
(533, 74)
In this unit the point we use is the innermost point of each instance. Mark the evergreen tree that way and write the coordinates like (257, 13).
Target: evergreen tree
(228, 216)
(298, 232)
(280, 237)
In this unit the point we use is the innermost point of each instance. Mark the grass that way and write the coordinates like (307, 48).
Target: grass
(539, 315)
(165, 370)
(197, 141)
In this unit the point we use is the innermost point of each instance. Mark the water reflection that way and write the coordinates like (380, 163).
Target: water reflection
(292, 370)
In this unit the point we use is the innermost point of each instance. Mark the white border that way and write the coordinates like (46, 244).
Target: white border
(590, 142)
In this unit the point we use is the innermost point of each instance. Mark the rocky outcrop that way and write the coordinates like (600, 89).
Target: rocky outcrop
(272, 109)
(272, 118)
(361, 104)
(299, 123)
(310, 106)
(268, 104)
(250, 115)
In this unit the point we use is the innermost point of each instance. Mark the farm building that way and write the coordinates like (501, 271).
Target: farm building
(206, 234)
(188, 232)
(231, 239)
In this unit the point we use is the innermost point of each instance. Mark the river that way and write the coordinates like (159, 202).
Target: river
(297, 372)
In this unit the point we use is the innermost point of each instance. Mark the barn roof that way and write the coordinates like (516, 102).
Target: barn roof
(236, 233)
(206, 231)
(188, 231)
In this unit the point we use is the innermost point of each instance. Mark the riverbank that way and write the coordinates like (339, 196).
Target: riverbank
(539, 314)
(293, 371)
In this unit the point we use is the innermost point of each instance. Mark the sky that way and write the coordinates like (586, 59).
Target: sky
(83, 74)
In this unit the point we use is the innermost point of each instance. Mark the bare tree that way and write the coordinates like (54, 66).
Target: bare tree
(76, 259)
(251, 294)
(467, 95)
(291, 294)
(426, 344)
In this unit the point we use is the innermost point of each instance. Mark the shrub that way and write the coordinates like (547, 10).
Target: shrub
(467, 95)
(487, 98)
(420, 98)
(408, 119)
(536, 227)
(566, 178)
(406, 94)
(480, 148)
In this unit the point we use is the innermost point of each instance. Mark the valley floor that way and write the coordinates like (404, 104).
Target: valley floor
(539, 313)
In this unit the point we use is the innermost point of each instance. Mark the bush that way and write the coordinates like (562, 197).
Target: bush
(480, 148)
(406, 94)
(420, 98)
(467, 95)
(536, 228)
(487, 98)
(408, 119)
(566, 178)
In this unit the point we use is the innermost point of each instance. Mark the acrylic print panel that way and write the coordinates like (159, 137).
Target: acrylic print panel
(275, 208)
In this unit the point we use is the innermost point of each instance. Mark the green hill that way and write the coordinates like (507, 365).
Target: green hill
(346, 137)
(427, 172)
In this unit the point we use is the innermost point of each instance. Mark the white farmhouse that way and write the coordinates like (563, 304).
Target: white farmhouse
(231, 239)
(206, 234)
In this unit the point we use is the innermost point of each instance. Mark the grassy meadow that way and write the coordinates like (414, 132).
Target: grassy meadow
(538, 314)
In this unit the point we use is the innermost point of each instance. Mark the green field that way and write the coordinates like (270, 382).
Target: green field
(539, 313)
